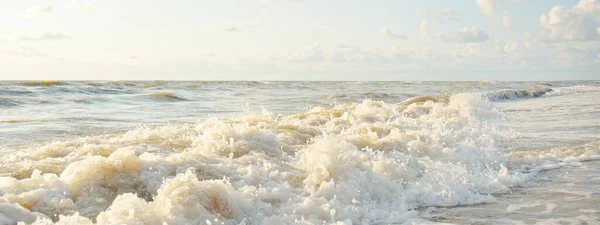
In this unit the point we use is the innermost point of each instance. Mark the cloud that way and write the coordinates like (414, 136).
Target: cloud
(311, 54)
(508, 48)
(355, 54)
(238, 26)
(387, 32)
(351, 54)
(80, 6)
(39, 10)
(45, 37)
(466, 35)
(580, 23)
(228, 26)
(591, 46)
(24, 51)
(487, 6)
(470, 50)
(207, 54)
(445, 14)
(424, 26)
(432, 18)
(530, 40)
(507, 20)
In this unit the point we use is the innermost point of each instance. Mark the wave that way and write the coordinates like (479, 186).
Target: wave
(20, 121)
(419, 100)
(167, 96)
(12, 101)
(369, 162)
(8, 102)
(557, 157)
(339, 95)
(42, 83)
(16, 92)
(576, 89)
(491, 96)
(518, 94)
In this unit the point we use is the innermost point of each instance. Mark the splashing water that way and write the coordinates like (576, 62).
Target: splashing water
(373, 161)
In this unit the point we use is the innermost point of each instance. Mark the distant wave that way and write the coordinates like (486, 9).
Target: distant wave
(7, 102)
(577, 89)
(167, 96)
(518, 94)
(42, 83)
(339, 95)
(20, 121)
(491, 96)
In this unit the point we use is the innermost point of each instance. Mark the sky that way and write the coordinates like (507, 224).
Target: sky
(300, 40)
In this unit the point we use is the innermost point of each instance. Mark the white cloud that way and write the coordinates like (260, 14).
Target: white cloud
(311, 54)
(424, 26)
(508, 48)
(466, 35)
(39, 10)
(581, 23)
(470, 50)
(80, 6)
(335, 54)
(591, 46)
(238, 26)
(24, 51)
(530, 40)
(432, 18)
(487, 6)
(228, 26)
(387, 32)
(45, 37)
(445, 14)
(355, 54)
(507, 20)
(450, 14)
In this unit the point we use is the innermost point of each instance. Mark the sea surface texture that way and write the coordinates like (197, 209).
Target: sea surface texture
(151, 152)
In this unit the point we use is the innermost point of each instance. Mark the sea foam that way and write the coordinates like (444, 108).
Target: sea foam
(355, 163)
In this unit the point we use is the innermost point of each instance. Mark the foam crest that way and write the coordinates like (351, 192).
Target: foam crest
(370, 162)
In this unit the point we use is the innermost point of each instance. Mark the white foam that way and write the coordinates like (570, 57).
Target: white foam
(365, 163)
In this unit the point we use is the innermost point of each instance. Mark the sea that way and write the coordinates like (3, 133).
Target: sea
(299, 152)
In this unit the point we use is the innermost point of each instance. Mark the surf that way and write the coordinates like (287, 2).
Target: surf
(326, 164)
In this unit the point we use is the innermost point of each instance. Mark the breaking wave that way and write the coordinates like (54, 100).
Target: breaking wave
(491, 96)
(518, 94)
(368, 163)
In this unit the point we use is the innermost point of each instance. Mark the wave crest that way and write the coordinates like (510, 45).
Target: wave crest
(167, 96)
(518, 94)
(350, 162)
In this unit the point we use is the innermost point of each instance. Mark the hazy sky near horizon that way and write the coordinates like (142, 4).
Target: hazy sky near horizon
(300, 39)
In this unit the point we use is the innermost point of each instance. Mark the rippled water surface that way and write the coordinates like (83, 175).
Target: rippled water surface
(154, 152)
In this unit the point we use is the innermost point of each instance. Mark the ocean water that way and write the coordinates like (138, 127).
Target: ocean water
(155, 152)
